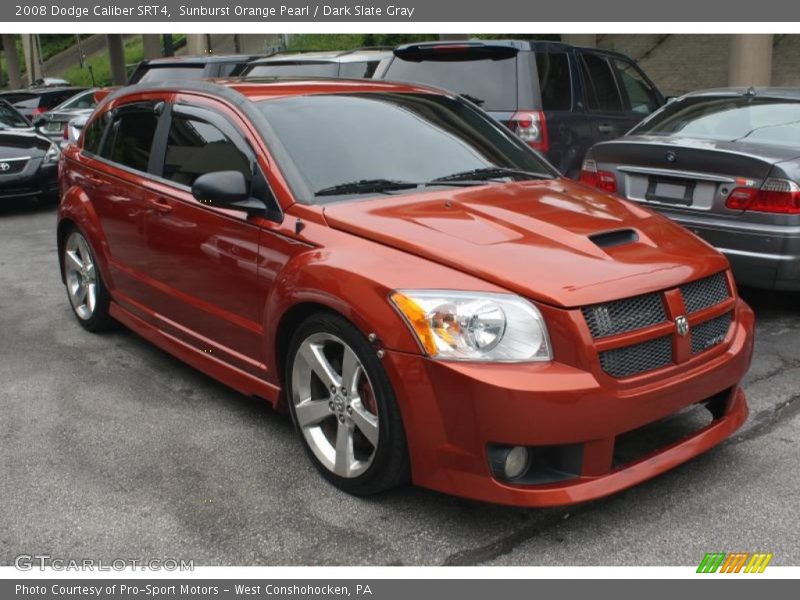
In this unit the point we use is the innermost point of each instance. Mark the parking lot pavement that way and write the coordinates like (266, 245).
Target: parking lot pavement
(112, 449)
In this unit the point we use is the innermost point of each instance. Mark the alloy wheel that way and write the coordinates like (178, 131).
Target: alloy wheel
(81, 276)
(334, 405)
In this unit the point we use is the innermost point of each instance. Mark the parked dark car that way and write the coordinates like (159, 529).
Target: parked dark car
(726, 164)
(53, 123)
(190, 67)
(559, 98)
(28, 161)
(359, 63)
(32, 102)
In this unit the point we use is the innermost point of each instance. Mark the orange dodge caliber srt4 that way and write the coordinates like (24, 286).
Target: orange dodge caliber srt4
(421, 290)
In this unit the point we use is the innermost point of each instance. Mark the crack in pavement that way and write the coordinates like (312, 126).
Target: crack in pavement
(767, 420)
(508, 543)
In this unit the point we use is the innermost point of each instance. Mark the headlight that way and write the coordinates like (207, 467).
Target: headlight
(476, 326)
(52, 154)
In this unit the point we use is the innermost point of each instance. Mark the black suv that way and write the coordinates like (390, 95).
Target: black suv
(559, 98)
(191, 67)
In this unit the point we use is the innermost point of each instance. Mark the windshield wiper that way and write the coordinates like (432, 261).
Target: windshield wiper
(366, 186)
(491, 173)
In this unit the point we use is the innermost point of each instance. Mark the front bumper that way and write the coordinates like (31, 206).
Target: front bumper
(36, 179)
(453, 412)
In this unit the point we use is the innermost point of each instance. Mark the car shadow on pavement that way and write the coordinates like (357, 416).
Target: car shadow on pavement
(27, 206)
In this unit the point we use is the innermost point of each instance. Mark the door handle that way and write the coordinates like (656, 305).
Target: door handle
(605, 128)
(161, 205)
(93, 180)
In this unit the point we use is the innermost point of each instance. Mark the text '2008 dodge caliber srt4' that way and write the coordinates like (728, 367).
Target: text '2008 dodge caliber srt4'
(428, 297)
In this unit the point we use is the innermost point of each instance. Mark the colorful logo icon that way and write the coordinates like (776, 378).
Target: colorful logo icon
(735, 562)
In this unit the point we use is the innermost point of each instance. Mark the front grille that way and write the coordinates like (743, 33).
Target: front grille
(705, 293)
(638, 358)
(620, 316)
(711, 333)
(10, 167)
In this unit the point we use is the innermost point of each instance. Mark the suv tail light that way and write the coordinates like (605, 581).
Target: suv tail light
(66, 130)
(774, 196)
(531, 126)
(37, 111)
(604, 180)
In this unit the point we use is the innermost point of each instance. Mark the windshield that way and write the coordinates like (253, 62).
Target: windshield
(764, 121)
(10, 118)
(294, 68)
(339, 139)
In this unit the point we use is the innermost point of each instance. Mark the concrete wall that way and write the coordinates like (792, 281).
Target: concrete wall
(681, 63)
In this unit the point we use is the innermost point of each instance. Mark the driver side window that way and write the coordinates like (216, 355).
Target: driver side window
(196, 147)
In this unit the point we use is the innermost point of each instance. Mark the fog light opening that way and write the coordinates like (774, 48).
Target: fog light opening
(516, 462)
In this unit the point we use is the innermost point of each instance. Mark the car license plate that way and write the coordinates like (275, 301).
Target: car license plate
(671, 191)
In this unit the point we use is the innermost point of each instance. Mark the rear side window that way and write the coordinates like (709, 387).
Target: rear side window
(358, 70)
(130, 137)
(602, 93)
(492, 84)
(196, 147)
(93, 135)
(555, 80)
(642, 96)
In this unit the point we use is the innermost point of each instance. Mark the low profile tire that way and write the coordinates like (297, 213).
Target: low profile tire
(86, 291)
(344, 408)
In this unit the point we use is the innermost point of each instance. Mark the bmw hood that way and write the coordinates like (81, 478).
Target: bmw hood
(558, 242)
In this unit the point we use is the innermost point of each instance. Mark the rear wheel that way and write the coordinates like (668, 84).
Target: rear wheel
(87, 293)
(344, 407)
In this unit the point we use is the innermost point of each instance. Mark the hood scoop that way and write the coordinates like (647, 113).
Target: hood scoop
(618, 237)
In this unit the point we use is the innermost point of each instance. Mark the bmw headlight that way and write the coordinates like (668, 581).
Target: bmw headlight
(477, 326)
(52, 154)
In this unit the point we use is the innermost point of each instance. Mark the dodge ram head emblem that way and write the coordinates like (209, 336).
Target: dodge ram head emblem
(4, 166)
(682, 325)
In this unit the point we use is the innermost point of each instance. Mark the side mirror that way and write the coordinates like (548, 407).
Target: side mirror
(226, 189)
(39, 121)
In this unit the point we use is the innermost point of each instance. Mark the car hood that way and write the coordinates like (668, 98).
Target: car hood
(537, 238)
(14, 143)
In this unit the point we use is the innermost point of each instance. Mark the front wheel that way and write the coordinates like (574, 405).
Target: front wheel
(344, 408)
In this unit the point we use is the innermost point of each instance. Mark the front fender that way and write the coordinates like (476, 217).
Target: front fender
(76, 209)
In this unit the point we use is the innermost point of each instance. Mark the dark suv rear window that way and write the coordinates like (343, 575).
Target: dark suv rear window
(602, 93)
(555, 80)
(490, 83)
(170, 73)
(297, 68)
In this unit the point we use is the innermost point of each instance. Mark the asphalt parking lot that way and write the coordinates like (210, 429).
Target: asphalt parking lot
(112, 449)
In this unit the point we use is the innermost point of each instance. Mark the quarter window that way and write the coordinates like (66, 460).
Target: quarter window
(93, 135)
(602, 93)
(196, 147)
(130, 137)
